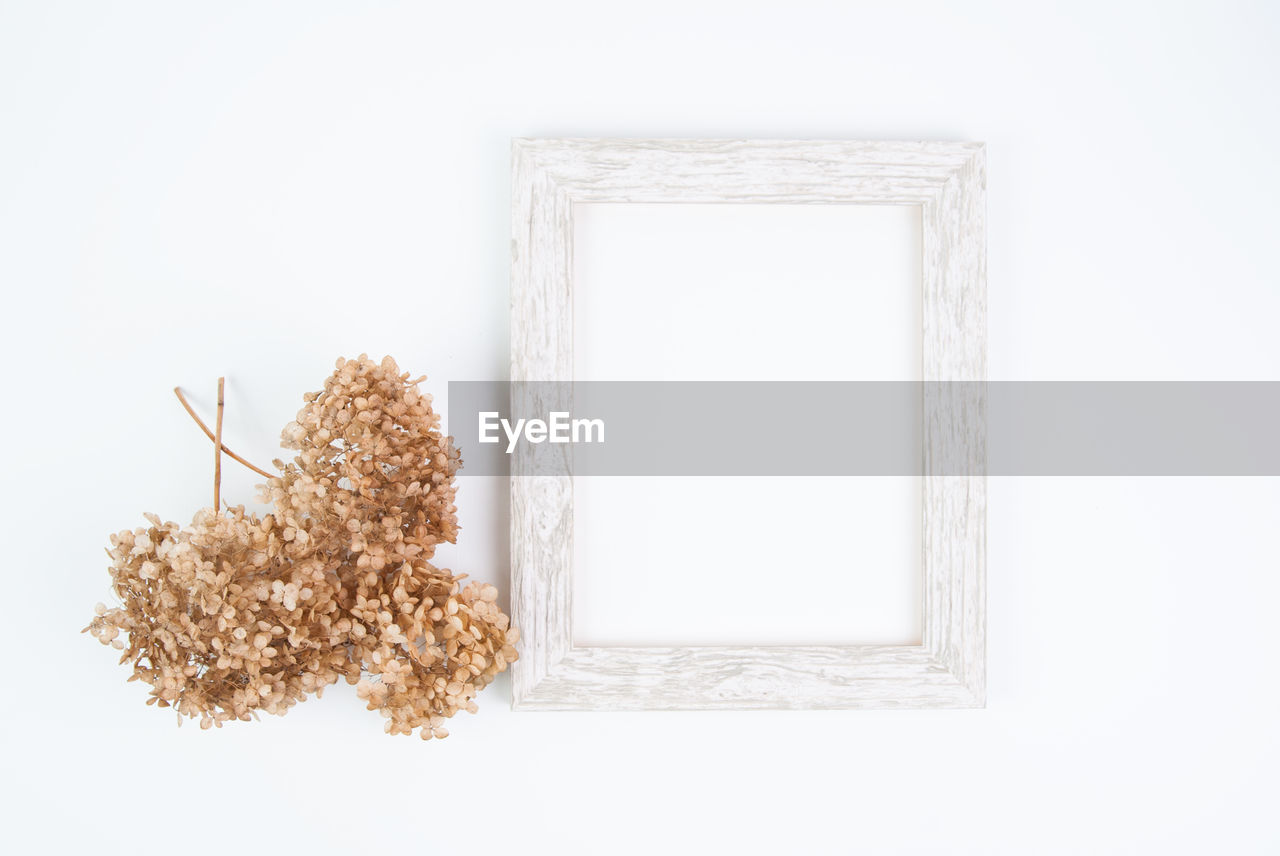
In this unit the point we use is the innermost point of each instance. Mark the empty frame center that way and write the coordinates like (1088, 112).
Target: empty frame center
(747, 292)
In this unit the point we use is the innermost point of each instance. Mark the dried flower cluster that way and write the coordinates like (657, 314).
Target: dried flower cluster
(236, 614)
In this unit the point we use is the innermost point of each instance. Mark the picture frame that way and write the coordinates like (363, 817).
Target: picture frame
(948, 181)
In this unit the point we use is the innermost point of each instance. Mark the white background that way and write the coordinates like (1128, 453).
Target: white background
(747, 293)
(252, 189)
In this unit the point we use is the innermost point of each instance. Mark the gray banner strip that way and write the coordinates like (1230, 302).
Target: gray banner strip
(873, 428)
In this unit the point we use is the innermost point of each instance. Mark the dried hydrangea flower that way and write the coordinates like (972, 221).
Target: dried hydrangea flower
(373, 467)
(237, 614)
(198, 622)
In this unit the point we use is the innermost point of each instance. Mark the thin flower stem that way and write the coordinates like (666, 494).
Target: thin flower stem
(205, 428)
(217, 452)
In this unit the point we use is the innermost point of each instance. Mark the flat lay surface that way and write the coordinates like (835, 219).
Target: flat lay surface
(250, 190)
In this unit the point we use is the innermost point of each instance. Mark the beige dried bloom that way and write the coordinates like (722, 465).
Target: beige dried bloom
(200, 625)
(237, 614)
(373, 469)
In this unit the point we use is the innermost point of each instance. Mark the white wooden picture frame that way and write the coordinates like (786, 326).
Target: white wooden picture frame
(948, 181)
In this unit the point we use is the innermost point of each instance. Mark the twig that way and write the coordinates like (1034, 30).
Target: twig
(217, 452)
(205, 428)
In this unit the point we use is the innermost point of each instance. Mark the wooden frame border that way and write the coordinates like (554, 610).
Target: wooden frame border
(948, 179)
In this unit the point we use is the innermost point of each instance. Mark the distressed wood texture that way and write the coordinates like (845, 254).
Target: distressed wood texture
(948, 180)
